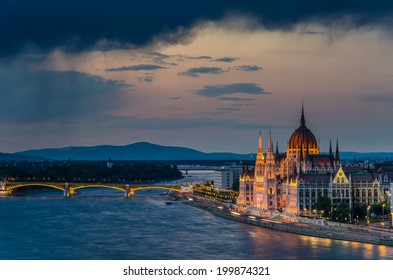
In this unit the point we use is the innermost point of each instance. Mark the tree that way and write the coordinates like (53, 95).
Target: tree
(323, 204)
(342, 212)
(235, 185)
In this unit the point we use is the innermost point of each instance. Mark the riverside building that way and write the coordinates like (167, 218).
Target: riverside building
(292, 182)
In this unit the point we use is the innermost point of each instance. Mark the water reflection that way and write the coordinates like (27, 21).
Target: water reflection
(93, 226)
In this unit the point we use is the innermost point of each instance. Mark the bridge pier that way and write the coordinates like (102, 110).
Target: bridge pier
(128, 191)
(68, 192)
(3, 190)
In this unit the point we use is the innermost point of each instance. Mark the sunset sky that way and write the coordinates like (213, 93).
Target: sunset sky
(208, 75)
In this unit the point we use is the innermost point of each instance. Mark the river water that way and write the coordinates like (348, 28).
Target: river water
(101, 224)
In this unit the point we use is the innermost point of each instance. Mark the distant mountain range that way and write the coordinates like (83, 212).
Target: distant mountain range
(17, 157)
(136, 151)
(149, 151)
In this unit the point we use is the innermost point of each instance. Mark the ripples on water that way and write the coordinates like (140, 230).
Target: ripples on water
(93, 226)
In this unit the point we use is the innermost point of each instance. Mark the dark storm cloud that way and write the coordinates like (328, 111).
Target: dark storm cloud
(139, 67)
(76, 25)
(58, 97)
(195, 72)
(249, 68)
(228, 89)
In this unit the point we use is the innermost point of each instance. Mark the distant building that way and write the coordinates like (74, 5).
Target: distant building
(223, 178)
(236, 172)
(109, 163)
(186, 189)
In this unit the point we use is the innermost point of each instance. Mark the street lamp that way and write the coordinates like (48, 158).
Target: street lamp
(368, 214)
(383, 216)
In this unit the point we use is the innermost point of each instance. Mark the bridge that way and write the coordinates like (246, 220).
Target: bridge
(69, 189)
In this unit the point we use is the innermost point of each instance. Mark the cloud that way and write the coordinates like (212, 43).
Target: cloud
(236, 99)
(384, 98)
(72, 26)
(59, 97)
(226, 59)
(160, 58)
(249, 68)
(148, 78)
(201, 57)
(228, 109)
(194, 72)
(310, 32)
(229, 89)
(175, 98)
(139, 67)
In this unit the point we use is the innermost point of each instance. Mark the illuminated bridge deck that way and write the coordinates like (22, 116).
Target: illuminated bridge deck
(69, 189)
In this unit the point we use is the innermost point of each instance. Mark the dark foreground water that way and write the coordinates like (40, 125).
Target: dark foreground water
(100, 224)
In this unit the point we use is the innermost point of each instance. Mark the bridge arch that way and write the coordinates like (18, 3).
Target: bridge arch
(53, 186)
(138, 188)
(119, 188)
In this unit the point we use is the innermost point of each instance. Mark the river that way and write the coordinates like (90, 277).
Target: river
(102, 224)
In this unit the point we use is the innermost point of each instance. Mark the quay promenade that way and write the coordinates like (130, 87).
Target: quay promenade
(345, 232)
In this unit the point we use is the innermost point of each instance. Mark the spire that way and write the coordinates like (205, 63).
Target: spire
(277, 153)
(337, 152)
(260, 160)
(270, 143)
(270, 153)
(302, 119)
(330, 148)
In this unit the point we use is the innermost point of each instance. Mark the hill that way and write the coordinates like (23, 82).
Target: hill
(20, 157)
(149, 151)
(136, 151)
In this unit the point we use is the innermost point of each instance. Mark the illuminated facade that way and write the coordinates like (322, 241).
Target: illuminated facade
(293, 181)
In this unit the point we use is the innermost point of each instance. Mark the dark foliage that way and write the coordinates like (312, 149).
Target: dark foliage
(79, 171)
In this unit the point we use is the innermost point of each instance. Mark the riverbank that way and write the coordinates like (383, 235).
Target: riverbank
(351, 233)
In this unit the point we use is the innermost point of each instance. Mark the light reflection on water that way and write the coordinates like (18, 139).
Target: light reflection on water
(102, 224)
(91, 226)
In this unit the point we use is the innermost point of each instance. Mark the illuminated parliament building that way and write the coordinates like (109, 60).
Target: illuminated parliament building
(293, 181)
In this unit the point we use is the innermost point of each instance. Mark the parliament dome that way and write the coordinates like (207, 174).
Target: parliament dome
(302, 138)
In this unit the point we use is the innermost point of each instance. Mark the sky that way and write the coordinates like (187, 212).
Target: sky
(208, 75)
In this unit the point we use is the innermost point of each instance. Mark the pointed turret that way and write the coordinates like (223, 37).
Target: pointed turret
(337, 159)
(270, 163)
(260, 160)
(260, 155)
(330, 148)
(270, 153)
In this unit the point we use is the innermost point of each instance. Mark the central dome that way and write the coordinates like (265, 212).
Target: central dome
(303, 138)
